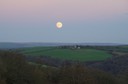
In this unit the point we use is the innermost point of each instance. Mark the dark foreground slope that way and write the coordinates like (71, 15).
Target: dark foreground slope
(14, 69)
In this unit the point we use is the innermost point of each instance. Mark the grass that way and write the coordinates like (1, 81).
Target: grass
(68, 54)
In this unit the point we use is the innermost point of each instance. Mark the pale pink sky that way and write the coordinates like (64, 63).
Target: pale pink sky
(62, 9)
(83, 21)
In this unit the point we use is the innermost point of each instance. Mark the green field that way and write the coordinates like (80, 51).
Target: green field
(68, 54)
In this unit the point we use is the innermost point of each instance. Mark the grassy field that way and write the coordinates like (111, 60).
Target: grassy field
(68, 54)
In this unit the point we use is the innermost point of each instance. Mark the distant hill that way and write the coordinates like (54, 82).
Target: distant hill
(11, 45)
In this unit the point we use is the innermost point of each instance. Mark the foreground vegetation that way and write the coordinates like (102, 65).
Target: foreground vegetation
(15, 69)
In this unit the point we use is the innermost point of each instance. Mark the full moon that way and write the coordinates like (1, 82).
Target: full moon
(59, 25)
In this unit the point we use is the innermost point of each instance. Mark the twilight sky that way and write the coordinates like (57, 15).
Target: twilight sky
(101, 21)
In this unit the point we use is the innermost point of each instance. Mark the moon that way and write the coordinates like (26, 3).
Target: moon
(59, 25)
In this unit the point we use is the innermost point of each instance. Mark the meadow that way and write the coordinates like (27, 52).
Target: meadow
(85, 54)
